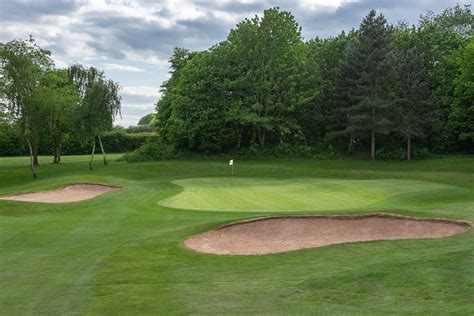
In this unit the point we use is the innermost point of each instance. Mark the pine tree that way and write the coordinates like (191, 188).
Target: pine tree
(411, 94)
(366, 60)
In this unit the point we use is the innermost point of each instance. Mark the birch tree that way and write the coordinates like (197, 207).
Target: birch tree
(100, 104)
(23, 63)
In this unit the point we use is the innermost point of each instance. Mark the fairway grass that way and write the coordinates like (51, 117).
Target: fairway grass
(122, 252)
(299, 194)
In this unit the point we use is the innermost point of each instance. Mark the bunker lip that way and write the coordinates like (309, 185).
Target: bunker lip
(69, 193)
(274, 234)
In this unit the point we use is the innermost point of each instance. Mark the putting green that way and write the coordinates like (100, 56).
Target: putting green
(301, 194)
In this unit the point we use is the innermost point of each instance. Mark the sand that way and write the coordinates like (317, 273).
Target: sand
(280, 234)
(69, 193)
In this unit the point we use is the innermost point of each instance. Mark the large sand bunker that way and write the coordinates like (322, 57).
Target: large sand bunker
(69, 193)
(280, 234)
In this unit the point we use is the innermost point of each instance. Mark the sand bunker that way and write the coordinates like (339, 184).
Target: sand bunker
(69, 193)
(280, 234)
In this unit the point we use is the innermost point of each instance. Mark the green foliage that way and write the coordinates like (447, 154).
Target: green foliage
(134, 129)
(12, 141)
(147, 119)
(120, 142)
(153, 149)
(22, 67)
(100, 100)
(367, 66)
(265, 87)
(324, 114)
(264, 91)
(240, 92)
(462, 114)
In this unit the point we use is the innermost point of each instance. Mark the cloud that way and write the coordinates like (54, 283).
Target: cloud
(139, 99)
(146, 91)
(133, 39)
(33, 11)
(122, 67)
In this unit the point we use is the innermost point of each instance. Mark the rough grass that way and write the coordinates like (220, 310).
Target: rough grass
(121, 253)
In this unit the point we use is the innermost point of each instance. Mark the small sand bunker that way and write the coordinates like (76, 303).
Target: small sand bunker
(280, 234)
(69, 193)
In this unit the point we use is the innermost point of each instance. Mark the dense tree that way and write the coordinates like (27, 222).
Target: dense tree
(57, 100)
(462, 115)
(441, 38)
(410, 92)
(367, 61)
(265, 86)
(23, 64)
(326, 114)
(99, 106)
(243, 91)
(458, 19)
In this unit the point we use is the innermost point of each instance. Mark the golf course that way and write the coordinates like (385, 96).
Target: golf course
(237, 157)
(123, 252)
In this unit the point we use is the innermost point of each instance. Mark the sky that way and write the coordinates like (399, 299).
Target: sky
(133, 40)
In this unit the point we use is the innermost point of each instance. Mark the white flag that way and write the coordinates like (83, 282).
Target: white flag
(231, 162)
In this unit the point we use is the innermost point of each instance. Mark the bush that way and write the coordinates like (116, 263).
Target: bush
(12, 142)
(391, 154)
(401, 154)
(420, 152)
(140, 129)
(115, 141)
(120, 142)
(153, 149)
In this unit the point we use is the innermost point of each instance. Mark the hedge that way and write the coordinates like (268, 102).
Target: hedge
(12, 143)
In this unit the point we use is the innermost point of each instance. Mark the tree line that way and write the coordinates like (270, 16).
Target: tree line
(45, 102)
(380, 86)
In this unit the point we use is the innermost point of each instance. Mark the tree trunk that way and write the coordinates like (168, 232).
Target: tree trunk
(409, 147)
(35, 154)
(93, 152)
(261, 137)
(372, 146)
(351, 141)
(59, 152)
(55, 151)
(32, 165)
(102, 149)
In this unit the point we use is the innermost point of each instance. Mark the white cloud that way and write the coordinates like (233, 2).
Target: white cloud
(123, 67)
(322, 4)
(133, 106)
(126, 121)
(145, 91)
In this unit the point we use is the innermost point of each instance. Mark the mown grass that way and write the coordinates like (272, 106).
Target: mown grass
(121, 253)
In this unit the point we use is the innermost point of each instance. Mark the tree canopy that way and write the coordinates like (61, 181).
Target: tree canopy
(378, 87)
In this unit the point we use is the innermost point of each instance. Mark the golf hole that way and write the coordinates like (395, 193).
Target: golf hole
(280, 234)
(68, 193)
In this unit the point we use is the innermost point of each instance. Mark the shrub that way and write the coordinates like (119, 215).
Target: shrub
(12, 142)
(120, 142)
(391, 154)
(153, 149)
(149, 128)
